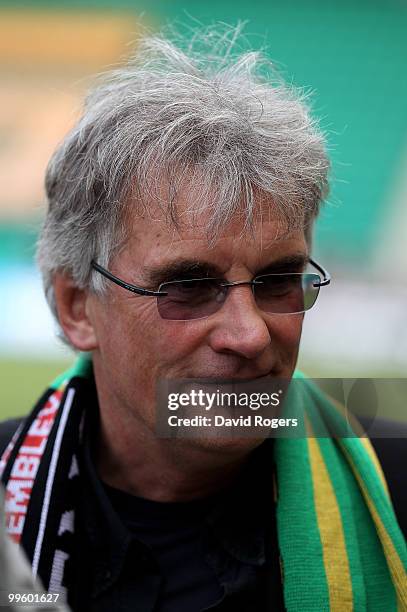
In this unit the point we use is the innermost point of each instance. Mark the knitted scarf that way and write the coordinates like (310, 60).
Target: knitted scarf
(340, 544)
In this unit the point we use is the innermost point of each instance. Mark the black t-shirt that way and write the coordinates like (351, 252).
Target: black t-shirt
(174, 535)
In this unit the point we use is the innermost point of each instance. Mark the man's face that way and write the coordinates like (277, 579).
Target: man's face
(136, 347)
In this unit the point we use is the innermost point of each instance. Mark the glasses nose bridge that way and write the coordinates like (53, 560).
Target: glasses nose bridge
(237, 283)
(226, 286)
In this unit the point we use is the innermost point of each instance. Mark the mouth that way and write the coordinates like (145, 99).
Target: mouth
(235, 377)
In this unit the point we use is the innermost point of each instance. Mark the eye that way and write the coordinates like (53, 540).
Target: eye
(190, 286)
(194, 290)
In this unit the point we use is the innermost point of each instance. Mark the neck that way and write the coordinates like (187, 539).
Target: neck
(129, 457)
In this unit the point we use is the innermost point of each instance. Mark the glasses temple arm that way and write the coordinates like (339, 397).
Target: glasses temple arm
(326, 276)
(121, 283)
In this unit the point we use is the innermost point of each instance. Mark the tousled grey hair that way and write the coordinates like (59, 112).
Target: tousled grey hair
(214, 117)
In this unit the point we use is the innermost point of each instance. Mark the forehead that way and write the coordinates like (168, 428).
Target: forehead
(154, 240)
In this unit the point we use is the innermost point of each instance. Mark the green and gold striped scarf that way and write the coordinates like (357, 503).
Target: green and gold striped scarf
(340, 544)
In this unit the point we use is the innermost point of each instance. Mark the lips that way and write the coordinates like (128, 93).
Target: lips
(228, 376)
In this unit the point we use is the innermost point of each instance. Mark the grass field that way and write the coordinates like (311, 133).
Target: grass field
(22, 382)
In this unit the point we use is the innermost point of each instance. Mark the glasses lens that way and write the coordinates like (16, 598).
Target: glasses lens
(190, 299)
(286, 293)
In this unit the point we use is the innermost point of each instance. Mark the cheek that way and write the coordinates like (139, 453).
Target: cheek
(149, 346)
(286, 331)
(123, 329)
(176, 340)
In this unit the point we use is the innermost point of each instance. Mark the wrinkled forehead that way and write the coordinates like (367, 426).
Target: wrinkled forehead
(158, 241)
(264, 232)
(186, 207)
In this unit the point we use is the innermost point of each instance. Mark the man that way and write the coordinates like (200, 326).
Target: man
(177, 246)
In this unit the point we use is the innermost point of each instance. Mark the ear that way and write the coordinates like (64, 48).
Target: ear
(73, 313)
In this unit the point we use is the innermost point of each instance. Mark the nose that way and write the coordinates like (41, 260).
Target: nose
(239, 327)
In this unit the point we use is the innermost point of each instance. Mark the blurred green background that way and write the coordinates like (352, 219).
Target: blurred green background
(352, 56)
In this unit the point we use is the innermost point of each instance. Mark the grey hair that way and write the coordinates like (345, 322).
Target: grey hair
(225, 122)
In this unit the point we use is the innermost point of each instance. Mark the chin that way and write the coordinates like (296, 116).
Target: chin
(223, 445)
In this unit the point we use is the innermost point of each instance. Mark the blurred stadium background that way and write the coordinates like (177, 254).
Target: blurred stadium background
(353, 55)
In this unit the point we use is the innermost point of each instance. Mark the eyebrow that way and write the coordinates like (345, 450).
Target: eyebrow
(289, 263)
(191, 268)
(181, 269)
